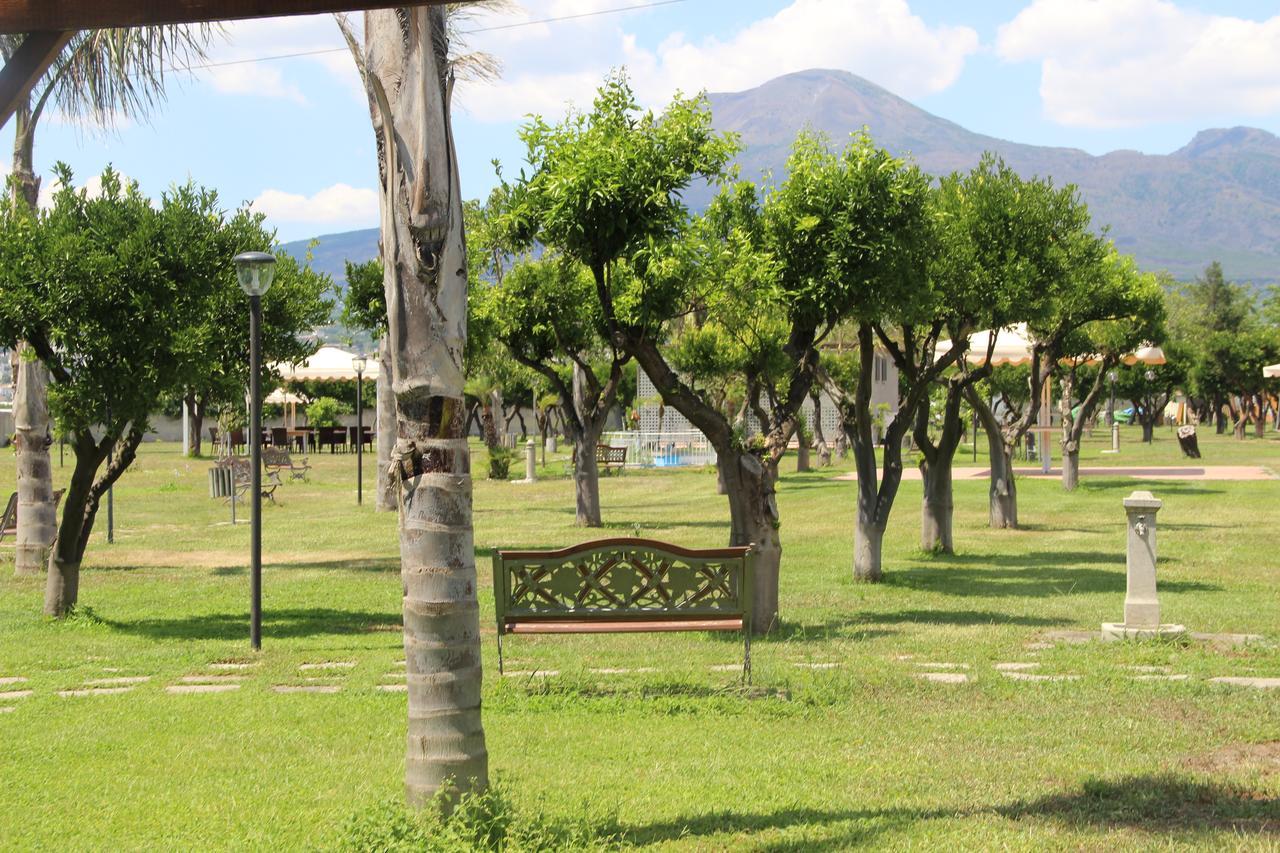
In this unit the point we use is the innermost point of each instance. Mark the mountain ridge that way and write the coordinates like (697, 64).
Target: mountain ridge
(1215, 198)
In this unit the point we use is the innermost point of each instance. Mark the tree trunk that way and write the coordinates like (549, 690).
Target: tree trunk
(426, 282)
(802, 455)
(385, 500)
(37, 521)
(937, 508)
(868, 548)
(753, 520)
(195, 411)
(80, 508)
(586, 477)
(1148, 432)
(1003, 492)
(1071, 468)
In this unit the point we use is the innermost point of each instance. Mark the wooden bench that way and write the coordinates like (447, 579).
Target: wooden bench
(277, 459)
(624, 586)
(611, 458)
(241, 469)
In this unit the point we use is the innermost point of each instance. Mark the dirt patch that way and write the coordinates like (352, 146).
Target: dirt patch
(1250, 758)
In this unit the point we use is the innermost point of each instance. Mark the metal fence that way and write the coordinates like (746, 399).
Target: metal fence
(666, 449)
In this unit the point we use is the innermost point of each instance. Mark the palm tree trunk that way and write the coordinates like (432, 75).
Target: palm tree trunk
(426, 268)
(36, 513)
(386, 491)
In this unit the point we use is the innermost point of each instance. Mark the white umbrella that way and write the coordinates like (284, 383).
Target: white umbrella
(1271, 371)
(329, 362)
(1145, 354)
(1013, 346)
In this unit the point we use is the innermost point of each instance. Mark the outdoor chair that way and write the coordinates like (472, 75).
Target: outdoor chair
(279, 437)
(237, 440)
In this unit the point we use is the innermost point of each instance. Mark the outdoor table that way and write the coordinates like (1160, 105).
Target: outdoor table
(307, 434)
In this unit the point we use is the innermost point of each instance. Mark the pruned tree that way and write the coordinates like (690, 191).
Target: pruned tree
(103, 293)
(99, 77)
(546, 314)
(365, 307)
(1135, 303)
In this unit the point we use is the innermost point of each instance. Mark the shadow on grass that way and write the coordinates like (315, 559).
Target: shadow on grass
(1158, 804)
(280, 624)
(1057, 573)
(857, 627)
(389, 565)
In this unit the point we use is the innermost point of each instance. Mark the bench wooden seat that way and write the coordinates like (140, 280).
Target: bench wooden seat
(611, 458)
(277, 459)
(627, 585)
(241, 478)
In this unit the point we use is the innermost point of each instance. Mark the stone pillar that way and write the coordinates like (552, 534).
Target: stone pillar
(1141, 605)
(1115, 437)
(530, 461)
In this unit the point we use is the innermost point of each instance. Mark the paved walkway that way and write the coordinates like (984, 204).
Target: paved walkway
(1168, 472)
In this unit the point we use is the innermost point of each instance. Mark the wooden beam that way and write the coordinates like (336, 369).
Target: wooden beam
(24, 16)
(25, 68)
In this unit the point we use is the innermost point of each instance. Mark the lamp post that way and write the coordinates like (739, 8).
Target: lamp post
(255, 270)
(1111, 406)
(359, 364)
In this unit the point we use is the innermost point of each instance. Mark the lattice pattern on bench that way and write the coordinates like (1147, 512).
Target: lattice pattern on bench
(615, 585)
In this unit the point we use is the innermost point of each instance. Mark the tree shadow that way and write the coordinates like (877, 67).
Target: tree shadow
(1163, 802)
(1160, 804)
(380, 565)
(276, 623)
(1037, 575)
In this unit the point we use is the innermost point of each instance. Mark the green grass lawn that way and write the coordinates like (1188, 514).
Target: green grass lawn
(838, 743)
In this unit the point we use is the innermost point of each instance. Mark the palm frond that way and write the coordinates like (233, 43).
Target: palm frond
(469, 65)
(106, 75)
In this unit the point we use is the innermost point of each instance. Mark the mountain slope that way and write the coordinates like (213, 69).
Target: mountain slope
(1216, 198)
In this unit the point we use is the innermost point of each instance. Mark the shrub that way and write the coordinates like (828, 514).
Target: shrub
(324, 411)
(478, 822)
(499, 463)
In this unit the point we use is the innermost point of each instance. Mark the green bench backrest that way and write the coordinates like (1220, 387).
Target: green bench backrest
(621, 579)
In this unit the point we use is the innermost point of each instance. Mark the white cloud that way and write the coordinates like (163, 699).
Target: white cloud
(92, 187)
(273, 37)
(338, 204)
(1130, 62)
(878, 39)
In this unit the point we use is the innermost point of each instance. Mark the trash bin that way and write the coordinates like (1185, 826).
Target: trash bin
(220, 482)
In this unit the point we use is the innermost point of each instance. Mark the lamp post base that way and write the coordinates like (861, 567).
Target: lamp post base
(1113, 631)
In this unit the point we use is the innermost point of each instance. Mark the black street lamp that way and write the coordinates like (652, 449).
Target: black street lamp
(358, 363)
(255, 271)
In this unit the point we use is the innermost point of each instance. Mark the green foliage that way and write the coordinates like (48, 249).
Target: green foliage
(365, 304)
(326, 411)
(488, 821)
(607, 183)
(499, 462)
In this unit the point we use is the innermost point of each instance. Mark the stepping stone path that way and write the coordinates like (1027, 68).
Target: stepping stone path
(1016, 667)
(1031, 676)
(117, 681)
(531, 673)
(232, 665)
(936, 665)
(944, 677)
(801, 665)
(201, 688)
(306, 688)
(12, 679)
(15, 694)
(210, 679)
(393, 688)
(1263, 683)
(95, 691)
(624, 670)
(329, 664)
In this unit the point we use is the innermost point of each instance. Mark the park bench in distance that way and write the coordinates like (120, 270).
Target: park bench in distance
(624, 586)
(241, 480)
(9, 522)
(611, 458)
(277, 459)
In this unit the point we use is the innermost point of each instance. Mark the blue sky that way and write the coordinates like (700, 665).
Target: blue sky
(293, 135)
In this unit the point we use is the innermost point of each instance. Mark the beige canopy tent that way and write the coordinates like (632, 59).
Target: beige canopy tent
(329, 362)
(1271, 371)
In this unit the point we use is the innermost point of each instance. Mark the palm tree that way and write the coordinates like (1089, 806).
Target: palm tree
(409, 72)
(101, 77)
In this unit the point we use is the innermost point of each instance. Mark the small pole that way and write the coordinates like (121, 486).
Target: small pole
(255, 472)
(186, 429)
(111, 490)
(359, 437)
